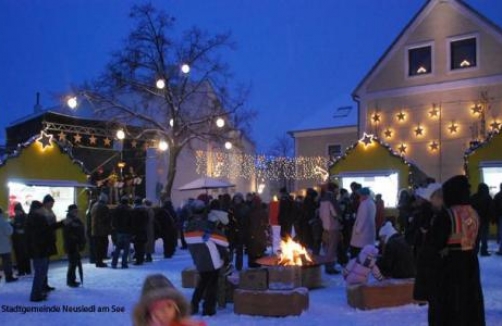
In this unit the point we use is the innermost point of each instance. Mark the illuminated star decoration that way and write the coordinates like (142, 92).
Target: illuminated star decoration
(62, 136)
(419, 131)
(495, 125)
(476, 109)
(134, 143)
(45, 139)
(387, 133)
(402, 148)
(92, 140)
(400, 116)
(376, 117)
(77, 138)
(366, 140)
(453, 128)
(433, 112)
(107, 141)
(434, 146)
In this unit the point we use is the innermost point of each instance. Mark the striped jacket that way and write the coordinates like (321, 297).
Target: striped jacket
(207, 246)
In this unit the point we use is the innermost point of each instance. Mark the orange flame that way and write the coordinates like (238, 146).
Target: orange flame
(293, 253)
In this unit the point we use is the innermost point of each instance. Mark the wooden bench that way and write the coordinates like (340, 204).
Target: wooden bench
(388, 293)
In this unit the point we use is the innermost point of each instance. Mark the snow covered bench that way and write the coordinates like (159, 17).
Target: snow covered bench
(388, 293)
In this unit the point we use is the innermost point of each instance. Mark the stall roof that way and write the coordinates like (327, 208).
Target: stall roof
(51, 183)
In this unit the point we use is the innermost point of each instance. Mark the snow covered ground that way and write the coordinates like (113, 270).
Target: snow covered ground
(117, 291)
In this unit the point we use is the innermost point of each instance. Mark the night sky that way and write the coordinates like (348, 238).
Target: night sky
(299, 56)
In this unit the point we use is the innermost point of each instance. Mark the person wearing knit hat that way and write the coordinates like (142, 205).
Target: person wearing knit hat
(162, 304)
(397, 259)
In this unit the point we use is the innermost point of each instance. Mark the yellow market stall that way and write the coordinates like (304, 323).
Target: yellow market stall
(39, 167)
(374, 164)
(483, 163)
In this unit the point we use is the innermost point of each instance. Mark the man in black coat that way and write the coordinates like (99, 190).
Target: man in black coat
(139, 227)
(122, 229)
(483, 204)
(167, 229)
(286, 213)
(100, 228)
(39, 238)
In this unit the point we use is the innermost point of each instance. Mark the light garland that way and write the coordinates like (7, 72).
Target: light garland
(264, 167)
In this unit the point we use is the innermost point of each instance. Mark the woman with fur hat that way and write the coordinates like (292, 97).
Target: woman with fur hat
(161, 304)
(459, 294)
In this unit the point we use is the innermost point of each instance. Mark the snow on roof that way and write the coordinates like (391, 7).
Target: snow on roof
(332, 116)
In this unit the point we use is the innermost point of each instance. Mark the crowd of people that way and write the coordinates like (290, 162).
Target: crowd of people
(436, 238)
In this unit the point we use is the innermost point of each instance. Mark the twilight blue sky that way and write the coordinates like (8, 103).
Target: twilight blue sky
(299, 56)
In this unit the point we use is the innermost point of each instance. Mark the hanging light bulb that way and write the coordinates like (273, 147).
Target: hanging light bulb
(171, 122)
(185, 68)
(161, 83)
(120, 134)
(220, 123)
(228, 145)
(163, 146)
(72, 102)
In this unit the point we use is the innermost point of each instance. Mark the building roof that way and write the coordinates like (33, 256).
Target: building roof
(429, 3)
(338, 114)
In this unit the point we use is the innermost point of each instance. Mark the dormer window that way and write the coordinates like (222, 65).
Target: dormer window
(420, 61)
(463, 53)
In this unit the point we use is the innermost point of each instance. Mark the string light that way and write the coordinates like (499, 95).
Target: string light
(419, 131)
(434, 146)
(453, 127)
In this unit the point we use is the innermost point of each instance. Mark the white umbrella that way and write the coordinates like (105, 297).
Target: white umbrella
(206, 183)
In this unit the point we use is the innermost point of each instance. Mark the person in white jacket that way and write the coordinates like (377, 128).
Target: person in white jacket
(6, 248)
(363, 232)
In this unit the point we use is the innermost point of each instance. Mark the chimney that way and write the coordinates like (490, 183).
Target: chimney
(38, 107)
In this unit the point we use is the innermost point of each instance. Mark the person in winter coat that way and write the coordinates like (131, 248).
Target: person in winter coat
(358, 269)
(39, 239)
(48, 204)
(397, 259)
(459, 295)
(256, 232)
(208, 247)
(162, 304)
(380, 211)
(139, 230)
(6, 248)
(74, 242)
(166, 220)
(331, 230)
(286, 213)
(122, 228)
(19, 241)
(150, 231)
(239, 219)
(431, 241)
(313, 228)
(483, 204)
(497, 208)
(100, 228)
(363, 232)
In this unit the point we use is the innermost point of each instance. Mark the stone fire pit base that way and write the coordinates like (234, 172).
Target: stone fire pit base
(271, 303)
(388, 293)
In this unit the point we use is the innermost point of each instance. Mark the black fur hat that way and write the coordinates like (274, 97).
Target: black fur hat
(456, 191)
